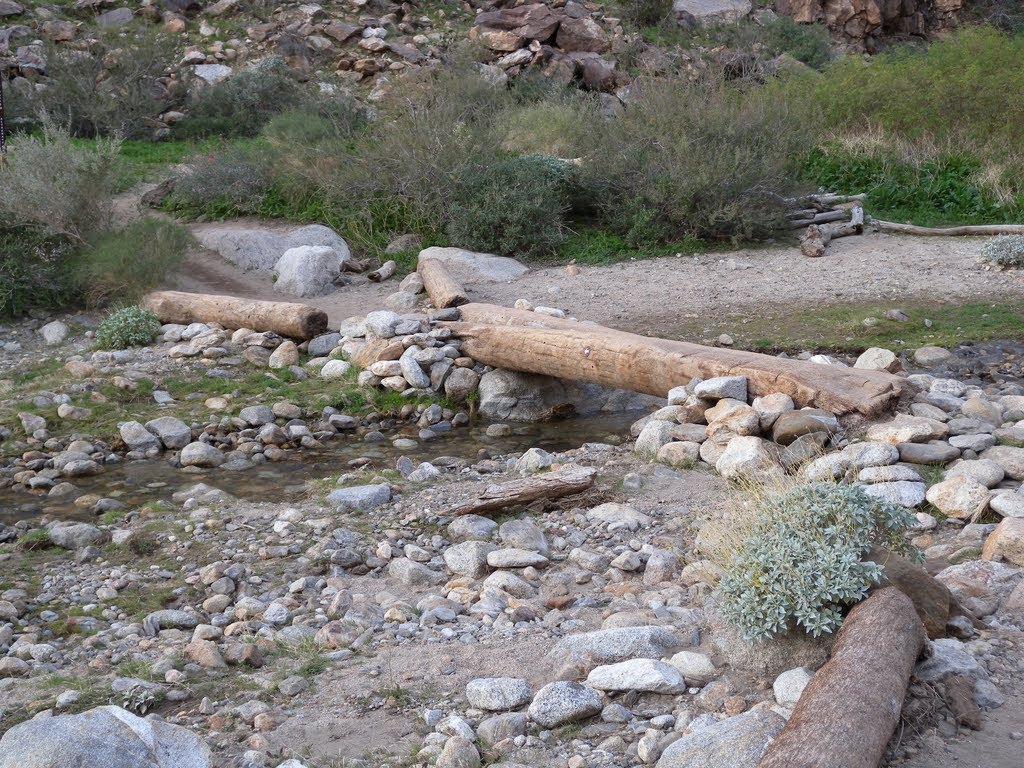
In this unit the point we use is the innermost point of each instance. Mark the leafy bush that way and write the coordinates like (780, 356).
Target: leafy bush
(113, 90)
(922, 185)
(128, 327)
(1006, 251)
(232, 181)
(124, 264)
(705, 159)
(809, 43)
(242, 104)
(56, 187)
(32, 270)
(800, 564)
(645, 13)
(515, 207)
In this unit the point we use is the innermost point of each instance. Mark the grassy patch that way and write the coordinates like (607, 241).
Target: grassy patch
(841, 328)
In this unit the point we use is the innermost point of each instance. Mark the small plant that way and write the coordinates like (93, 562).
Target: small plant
(128, 327)
(801, 562)
(36, 539)
(233, 181)
(1005, 251)
(645, 13)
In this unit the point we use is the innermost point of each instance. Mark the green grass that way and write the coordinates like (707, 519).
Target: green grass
(149, 160)
(934, 191)
(841, 328)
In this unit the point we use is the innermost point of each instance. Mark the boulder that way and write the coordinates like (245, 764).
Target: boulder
(470, 267)
(136, 436)
(360, 498)
(173, 433)
(199, 454)
(981, 586)
(1010, 458)
(750, 459)
(76, 535)
(645, 675)
(513, 396)
(737, 742)
(609, 646)
(106, 736)
(878, 359)
(582, 34)
(1006, 542)
(54, 333)
(793, 424)
(309, 270)
(564, 702)
(260, 248)
(498, 694)
(960, 497)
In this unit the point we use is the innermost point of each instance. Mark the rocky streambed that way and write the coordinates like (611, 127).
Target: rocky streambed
(361, 623)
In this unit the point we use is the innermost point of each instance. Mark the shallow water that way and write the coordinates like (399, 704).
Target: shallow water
(138, 482)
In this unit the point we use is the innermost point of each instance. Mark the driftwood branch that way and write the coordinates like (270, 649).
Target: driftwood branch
(847, 713)
(816, 239)
(551, 485)
(386, 270)
(567, 349)
(444, 290)
(820, 218)
(299, 321)
(984, 230)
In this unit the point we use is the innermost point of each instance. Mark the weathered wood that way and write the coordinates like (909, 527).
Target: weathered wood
(815, 240)
(819, 218)
(382, 273)
(443, 289)
(550, 485)
(567, 349)
(299, 321)
(985, 230)
(847, 713)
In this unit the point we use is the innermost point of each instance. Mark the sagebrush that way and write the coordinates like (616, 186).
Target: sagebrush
(128, 327)
(1006, 251)
(800, 563)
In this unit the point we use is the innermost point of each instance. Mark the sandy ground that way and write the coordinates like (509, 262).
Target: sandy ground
(654, 296)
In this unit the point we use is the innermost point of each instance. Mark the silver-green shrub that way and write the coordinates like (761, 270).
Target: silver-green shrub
(1005, 251)
(801, 563)
(128, 327)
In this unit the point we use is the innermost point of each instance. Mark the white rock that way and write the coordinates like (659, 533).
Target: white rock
(790, 684)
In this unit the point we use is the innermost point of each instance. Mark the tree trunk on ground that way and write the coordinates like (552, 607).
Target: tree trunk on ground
(443, 289)
(567, 349)
(297, 321)
(847, 713)
(989, 230)
(550, 485)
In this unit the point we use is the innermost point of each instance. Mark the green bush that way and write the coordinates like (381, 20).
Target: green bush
(800, 565)
(242, 104)
(706, 159)
(32, 271)
(515, 207)
(122, 265)
(232, 181)
(56, 187)
(111, 90)
(128, 327)
(1006, 251)
(645, 13)
(925, 188)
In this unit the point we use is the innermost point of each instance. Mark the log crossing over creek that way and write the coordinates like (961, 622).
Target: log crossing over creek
(568, 349)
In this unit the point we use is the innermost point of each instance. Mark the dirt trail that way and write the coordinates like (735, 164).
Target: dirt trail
(655, 295)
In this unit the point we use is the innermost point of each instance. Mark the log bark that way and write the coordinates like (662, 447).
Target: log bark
(298, 321)
(386, 270)
(819, 218)
(986, 230)
(847, 713)
(443, 289)
(816, 239)
(550, 485)
(567, 349)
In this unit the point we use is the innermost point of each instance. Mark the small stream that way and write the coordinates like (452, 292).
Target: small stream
(138, 482)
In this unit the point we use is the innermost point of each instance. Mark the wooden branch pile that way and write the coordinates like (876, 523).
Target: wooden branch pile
(825, 222)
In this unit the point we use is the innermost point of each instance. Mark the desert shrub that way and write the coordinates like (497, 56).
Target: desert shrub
(242, 104)
(928, 95)
(339, 120)
(705, 159)
(57, 187)
(800, 563)
(922, 184)
(557, 128)
(644, 13)
(1006, 251)
(113, 90)
(809, 43)
(515, 207)
(230, 181)
(32, 271)
(128, 327)
(122, 265)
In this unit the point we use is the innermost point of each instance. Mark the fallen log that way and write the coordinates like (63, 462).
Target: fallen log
(984, 230)
(816, 239)
(847, 713)
(550, 485)
(386, 270)
(568, 349)
(298, 321)
(443, 289)
(819, 218)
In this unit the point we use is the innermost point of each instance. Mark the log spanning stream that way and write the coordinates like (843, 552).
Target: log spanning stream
(138, 482)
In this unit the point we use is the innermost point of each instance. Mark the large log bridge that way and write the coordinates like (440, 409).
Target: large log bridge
(567, 349)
